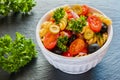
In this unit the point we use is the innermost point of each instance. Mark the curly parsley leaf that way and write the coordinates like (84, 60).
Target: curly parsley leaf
(16, 54)
(61, 43)
(24, 6)
(58, 14)
(76, 25)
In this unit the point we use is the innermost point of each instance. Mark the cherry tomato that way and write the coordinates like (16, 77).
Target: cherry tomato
(84, 50)
(85, 10)
(76, 46)
(50, 40)
(94, 23)
(67, 54)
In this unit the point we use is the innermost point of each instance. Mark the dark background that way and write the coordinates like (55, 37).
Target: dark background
(40, 69)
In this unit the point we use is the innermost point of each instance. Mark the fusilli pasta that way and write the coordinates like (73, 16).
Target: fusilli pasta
(45, 28)
(63, 22)
(104, 19)
(77, 9)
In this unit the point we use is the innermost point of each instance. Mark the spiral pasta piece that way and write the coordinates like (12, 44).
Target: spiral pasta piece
(92, 40)
(63, 22)
(102, 39)
(104, 19)
(45, 28)
(105, 37)
(89, 41)
(83, 30)
(67, 8)
(97, 38)
(77, 9)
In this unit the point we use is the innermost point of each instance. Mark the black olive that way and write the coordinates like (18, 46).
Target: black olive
(104, 28)
(71, 39)
(93, 47)
(57, 50)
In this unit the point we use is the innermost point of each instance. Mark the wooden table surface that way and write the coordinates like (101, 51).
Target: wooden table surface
(40, 69)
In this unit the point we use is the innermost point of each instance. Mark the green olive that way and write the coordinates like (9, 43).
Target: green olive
(54, 29)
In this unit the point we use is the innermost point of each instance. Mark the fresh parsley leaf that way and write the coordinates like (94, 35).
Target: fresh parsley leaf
(58, 14)
(23, 6)
(76, 25)
(61, 43)
(16, 54)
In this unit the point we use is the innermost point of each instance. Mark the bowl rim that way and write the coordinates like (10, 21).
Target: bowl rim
(107, 43)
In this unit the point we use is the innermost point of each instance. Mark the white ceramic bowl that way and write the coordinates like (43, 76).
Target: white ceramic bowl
(73, 65)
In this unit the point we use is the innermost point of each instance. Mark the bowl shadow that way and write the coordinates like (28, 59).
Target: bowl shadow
(59, 75)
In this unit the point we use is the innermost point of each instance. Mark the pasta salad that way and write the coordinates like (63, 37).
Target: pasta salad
(74, 31)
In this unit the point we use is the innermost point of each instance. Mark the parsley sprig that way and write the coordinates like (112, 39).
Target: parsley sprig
(76, 25)
(24, 6)
(61, 43)
(15, 54)
(58, 14)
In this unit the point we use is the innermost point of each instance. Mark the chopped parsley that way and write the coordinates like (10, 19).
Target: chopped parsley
(76, 25)
(61, 43)
(23, 6)
(16, 54)
(58, 15)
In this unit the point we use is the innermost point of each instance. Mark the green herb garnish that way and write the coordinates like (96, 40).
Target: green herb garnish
(76, 25)
(15, 54)
(61, 43)
(58, 14)
(7, 6)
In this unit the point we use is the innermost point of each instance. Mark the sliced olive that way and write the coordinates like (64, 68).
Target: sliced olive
(104, 28)
(88, 34)
(71, 39)
(93, 47)
(56, 50)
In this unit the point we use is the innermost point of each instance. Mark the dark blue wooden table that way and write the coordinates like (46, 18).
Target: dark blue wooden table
(40, 69)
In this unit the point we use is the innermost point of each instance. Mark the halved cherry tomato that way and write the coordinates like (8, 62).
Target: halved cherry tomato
(94, 23)
(67, 54)
(50, 40)
(76, 46)
(85, 10)
(84, 50)
(71, 15)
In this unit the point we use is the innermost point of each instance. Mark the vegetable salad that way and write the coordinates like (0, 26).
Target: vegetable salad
(74, 31)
